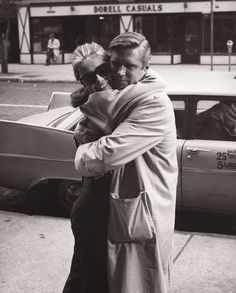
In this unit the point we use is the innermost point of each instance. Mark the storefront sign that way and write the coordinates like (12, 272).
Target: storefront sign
(50, 10)
(123, 9)
(206, 8)
(128, 8)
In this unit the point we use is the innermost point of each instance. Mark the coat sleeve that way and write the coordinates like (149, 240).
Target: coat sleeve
(57, 44)
(143, 129)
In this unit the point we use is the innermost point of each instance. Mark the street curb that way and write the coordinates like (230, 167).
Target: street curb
(14, 79)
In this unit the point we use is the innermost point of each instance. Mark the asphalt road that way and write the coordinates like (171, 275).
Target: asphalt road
(22, 99)
(18, 100)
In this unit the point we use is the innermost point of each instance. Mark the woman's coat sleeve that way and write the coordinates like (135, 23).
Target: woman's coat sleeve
(143, 129)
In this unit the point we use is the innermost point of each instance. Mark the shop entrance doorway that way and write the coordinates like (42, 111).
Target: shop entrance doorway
(191, 39)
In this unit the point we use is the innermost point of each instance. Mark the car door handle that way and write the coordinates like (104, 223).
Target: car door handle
(196, 150)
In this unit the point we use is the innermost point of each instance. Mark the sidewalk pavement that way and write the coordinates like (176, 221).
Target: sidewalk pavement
(185, 76)
(35, 255)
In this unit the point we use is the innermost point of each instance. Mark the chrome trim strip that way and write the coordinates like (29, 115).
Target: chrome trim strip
(215, 171)
(35, 158)
(23, 106)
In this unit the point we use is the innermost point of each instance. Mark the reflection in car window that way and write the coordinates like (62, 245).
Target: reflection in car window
(216, 120)
(59, 120)
(69, 121)
(179, 109)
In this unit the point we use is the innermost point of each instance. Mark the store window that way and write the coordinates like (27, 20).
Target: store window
(102, 29)
(41, 28)
(224, 30)
(74, 30)
(162, 31)
(78, 30)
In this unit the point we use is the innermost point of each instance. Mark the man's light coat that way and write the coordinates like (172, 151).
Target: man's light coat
(141, 153)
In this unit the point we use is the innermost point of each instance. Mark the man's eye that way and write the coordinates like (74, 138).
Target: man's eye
(115, 64)
(130, 66)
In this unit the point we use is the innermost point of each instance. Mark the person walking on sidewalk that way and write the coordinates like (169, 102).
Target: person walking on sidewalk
(53, 49)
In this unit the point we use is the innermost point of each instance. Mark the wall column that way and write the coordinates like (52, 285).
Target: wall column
(126, 23)
(24, 34)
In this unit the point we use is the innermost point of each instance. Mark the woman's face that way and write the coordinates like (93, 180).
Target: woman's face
(94, 74)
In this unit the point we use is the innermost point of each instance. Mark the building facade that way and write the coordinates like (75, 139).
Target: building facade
(178, 31)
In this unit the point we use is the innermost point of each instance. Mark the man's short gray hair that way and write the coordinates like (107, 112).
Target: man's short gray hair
(132, 40)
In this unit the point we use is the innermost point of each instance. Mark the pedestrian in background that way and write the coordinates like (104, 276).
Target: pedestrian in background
(53, 49)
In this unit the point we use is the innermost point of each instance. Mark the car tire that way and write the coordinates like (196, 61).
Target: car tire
(67, 191)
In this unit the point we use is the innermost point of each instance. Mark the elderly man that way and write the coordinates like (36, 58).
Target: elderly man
(140, 155)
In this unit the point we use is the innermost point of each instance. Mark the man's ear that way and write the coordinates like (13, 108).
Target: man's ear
(148, 63)
(146, 67)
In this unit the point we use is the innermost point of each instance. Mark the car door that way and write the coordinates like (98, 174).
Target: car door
(30, 154)
(209, 160)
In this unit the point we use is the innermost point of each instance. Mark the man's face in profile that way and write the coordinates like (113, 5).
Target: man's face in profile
(126, 66)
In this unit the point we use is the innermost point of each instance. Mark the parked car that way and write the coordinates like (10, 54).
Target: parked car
(40, 149)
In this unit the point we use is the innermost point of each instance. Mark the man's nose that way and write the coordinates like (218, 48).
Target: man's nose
(99, 77)
(122, 70)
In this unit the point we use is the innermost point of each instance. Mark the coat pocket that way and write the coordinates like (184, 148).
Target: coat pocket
(130, 220)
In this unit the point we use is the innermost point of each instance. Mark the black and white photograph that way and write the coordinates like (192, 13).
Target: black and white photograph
(117, 146)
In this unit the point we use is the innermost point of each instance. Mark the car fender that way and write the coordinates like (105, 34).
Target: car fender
(30, 154)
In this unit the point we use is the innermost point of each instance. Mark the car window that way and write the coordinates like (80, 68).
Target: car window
(215, 120)
(179, 109)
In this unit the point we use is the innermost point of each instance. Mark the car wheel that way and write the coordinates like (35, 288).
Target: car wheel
(67, 192)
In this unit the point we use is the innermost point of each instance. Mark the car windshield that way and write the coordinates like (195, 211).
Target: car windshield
(68, 121)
